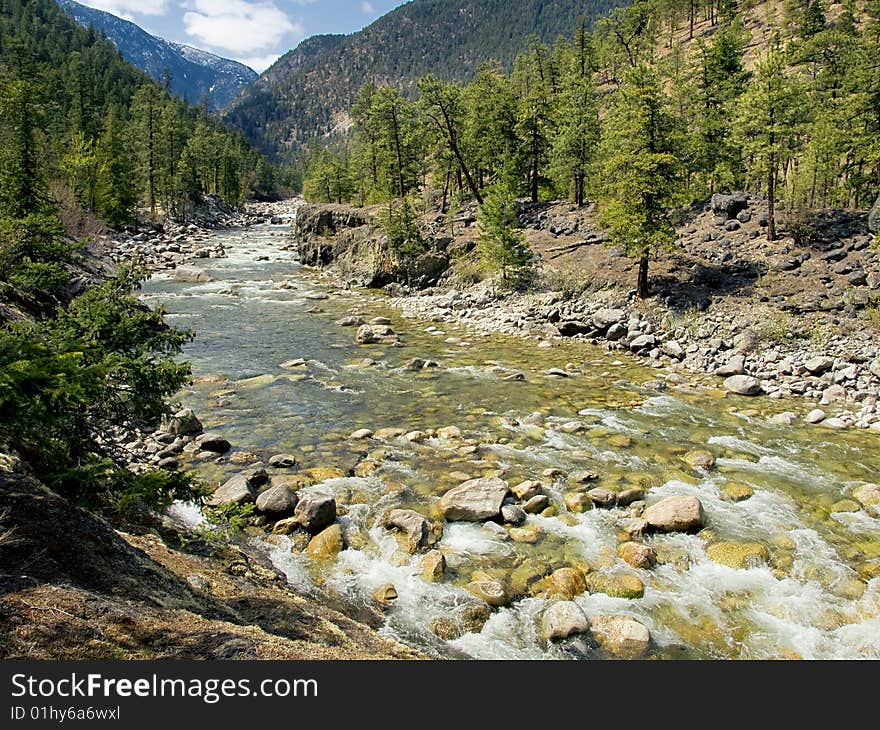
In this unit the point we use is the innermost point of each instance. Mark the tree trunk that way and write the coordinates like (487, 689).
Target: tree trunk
(443, 207)
(771, 204)
(642, 286)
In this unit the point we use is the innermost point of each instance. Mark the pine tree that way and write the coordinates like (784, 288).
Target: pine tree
(502, 246)
(577, 113)
(640, 174)
(534, 115)
(115, 191)
(769, 119)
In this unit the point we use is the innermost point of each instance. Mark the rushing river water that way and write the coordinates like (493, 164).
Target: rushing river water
(817, 596)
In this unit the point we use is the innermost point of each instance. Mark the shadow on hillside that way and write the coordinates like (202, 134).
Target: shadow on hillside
(696, 286)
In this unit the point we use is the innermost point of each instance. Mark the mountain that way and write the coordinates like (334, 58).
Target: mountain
(304, 93)
(194, 73)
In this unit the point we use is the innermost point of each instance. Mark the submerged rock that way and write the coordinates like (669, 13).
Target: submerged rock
(566, 583)
(282, 461)
(699, 459)
(475, 500)
(738, 555)
(621, 636)
(637, 554)
(869, 496)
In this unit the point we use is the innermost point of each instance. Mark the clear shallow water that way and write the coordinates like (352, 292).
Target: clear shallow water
(816, 597)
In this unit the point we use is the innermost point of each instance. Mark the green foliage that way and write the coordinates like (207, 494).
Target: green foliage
(229, 518)
(68, 382)
(502, 245)
(399, 222)
(641, 174)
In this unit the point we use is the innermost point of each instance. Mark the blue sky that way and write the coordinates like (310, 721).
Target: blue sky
(254, 32)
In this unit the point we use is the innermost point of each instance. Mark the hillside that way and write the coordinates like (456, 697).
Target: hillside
(194, 74)
(308, 90)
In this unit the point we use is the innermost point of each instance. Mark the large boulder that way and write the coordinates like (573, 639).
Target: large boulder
(421, 533)
(564, 619)
(742, 385)
(371, 334)
(237, 490)
(728, 206)
(191, 275)
(605, 318)
(315, 511)
(182, 423)
(736, 365)
(279, 501)
(475, 500)
(675, 514)
(819, 364)
(214, 443)
(621, 636)
(327, 544)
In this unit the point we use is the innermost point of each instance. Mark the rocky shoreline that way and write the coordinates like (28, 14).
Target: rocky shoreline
(821, 354)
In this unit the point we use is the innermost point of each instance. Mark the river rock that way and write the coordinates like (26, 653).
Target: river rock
(536, 504)
(191, 275)
(637, 554)
(513, 514)
(385, 594)
(642, 342)
(736, 492)
(673, 349)
(742, 385)
(699, 459)
(420, 532)
(350, 321)
(786, 418)
(817, 415)
(602, 497)
(475, 500)
(564, 619)
(279, 501)
(315, 511)
(625, 585)
(183, 423)
(837, 424)
(676, 514)
(448, 433)
(566, 583)
(833, 394)
(628, 496)
(433, 565)
(819, 365)
(736, 365)
(738, 555)
(236, 490)
(869, 496)
(372, 334)
(361, 434)
(526, 490)
(327, 544)
(622, 636)
(213, 442)
(490, 590)
(605, 318)
(282, 461)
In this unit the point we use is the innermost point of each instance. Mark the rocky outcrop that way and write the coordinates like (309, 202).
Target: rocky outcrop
(349, 240)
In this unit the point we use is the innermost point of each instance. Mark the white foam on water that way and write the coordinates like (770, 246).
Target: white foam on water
(859, 523)
(293, 565)
(468, 538)
(510, 633)
(736, 443)
(613, 421)
(187, 514)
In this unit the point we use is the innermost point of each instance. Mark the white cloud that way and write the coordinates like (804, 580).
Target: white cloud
(259, 63)
(367, 8)
(127, 8)
(239, 26)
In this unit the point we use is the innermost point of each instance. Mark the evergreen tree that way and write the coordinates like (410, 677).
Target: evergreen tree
(115, 191)
(534, 115)
(641, 174)
(502, 246)
(577, 112)
(769, 119)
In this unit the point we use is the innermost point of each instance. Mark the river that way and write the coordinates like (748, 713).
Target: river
(813, 592)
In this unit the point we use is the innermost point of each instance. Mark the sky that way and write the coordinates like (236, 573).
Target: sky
(255, 32)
